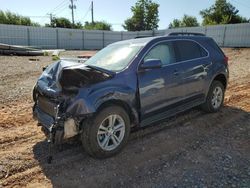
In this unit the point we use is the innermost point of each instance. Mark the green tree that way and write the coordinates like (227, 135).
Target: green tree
(78, 25)
(63, 23)
(222, 12)
(60, 22)
(145, 16)
(15, 19)
(186, 21)
(176, 23)
(98, 25)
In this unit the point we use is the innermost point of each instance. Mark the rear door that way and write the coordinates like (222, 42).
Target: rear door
(193, 64)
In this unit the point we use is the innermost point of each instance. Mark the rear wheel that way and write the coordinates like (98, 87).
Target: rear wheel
(215, 97)
(107, 133)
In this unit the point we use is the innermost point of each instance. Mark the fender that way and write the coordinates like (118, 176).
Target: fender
(84, 104)
(221, 70)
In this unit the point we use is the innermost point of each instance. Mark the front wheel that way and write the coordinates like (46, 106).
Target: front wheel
(107, 133)
(215, 97)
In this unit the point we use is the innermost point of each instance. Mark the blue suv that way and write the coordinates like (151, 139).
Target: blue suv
(129, 84)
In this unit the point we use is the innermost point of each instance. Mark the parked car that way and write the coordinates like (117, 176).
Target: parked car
(128, 84)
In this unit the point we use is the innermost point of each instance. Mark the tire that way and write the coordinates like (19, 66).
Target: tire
(34, 93)
(94, 137)
(211, 105)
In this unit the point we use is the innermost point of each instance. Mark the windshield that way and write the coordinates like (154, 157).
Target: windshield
(114, 57)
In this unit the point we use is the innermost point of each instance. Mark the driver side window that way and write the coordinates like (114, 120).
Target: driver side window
(164, 52)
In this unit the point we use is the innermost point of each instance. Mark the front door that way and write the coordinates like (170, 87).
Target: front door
(158, 88)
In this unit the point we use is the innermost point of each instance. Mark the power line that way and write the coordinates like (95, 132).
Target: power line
(37, 16)
(61, 4)
(58, 7)
(86, 12)
(59, 10)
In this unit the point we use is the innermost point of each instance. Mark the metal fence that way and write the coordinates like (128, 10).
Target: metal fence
(233, 35)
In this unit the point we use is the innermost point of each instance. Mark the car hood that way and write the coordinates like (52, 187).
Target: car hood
(67, 76)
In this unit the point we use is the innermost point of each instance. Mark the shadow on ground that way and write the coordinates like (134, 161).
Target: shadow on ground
(193, 148)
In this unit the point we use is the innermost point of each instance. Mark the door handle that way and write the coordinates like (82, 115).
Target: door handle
(207, 65)
(176, 72)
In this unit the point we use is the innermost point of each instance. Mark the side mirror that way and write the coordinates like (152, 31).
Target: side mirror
(151, 64)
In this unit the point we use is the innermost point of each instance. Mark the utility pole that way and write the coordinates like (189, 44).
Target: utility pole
(92, 12)
(51, 18)
(72, 7)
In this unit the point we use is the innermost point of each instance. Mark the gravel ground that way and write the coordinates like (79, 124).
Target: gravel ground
(192, 149)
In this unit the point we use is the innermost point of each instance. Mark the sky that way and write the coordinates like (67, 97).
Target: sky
(112, 11)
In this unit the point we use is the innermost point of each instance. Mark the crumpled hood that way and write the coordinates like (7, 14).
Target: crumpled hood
(66, 75)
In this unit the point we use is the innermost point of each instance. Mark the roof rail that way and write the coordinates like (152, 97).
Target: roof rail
(185, 33)
(143, 36)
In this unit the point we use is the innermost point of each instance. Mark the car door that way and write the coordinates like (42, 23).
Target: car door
(193, 64)
(159, 87)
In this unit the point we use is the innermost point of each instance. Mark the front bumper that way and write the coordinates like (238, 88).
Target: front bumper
(43, 118)
(60, 127)
(51, 126)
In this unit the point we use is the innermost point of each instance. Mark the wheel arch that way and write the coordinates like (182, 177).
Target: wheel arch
(132, 113)
(221, 77)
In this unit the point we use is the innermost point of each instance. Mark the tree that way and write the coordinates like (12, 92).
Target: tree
(78, 25)
(189, 21)
(186, 21)
(15, 19)
(60, 22)
(176, 23)
(145, 16)
(222, 12)
(98, 25)
(63, 23)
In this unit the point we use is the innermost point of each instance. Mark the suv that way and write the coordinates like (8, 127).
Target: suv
(129, 84)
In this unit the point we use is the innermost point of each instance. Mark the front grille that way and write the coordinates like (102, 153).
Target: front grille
(46, 105)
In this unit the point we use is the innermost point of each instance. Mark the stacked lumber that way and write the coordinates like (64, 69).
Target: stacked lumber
(7, 49)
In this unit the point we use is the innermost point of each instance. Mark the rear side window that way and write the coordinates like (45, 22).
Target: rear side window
(188, 50)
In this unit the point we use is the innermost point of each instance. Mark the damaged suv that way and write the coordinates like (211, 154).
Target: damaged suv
(129, 84)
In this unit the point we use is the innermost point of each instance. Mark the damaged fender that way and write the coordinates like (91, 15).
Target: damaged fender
(82, 105)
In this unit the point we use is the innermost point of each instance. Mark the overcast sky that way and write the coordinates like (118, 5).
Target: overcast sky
(112, 11)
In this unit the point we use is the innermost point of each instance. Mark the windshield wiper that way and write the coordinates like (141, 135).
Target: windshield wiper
(101, 69)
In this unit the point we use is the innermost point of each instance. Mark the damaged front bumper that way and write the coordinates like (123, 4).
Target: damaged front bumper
(58, 127)
(55, 124)
(50, 126)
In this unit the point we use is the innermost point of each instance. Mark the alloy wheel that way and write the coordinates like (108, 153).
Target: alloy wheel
(111, 132)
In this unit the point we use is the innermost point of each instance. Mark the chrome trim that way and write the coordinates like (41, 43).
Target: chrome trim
(172, 40)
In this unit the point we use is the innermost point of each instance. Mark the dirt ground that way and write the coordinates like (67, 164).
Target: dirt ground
(193, 149)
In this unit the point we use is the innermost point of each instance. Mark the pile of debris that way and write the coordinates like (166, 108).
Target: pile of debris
(7, 49)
